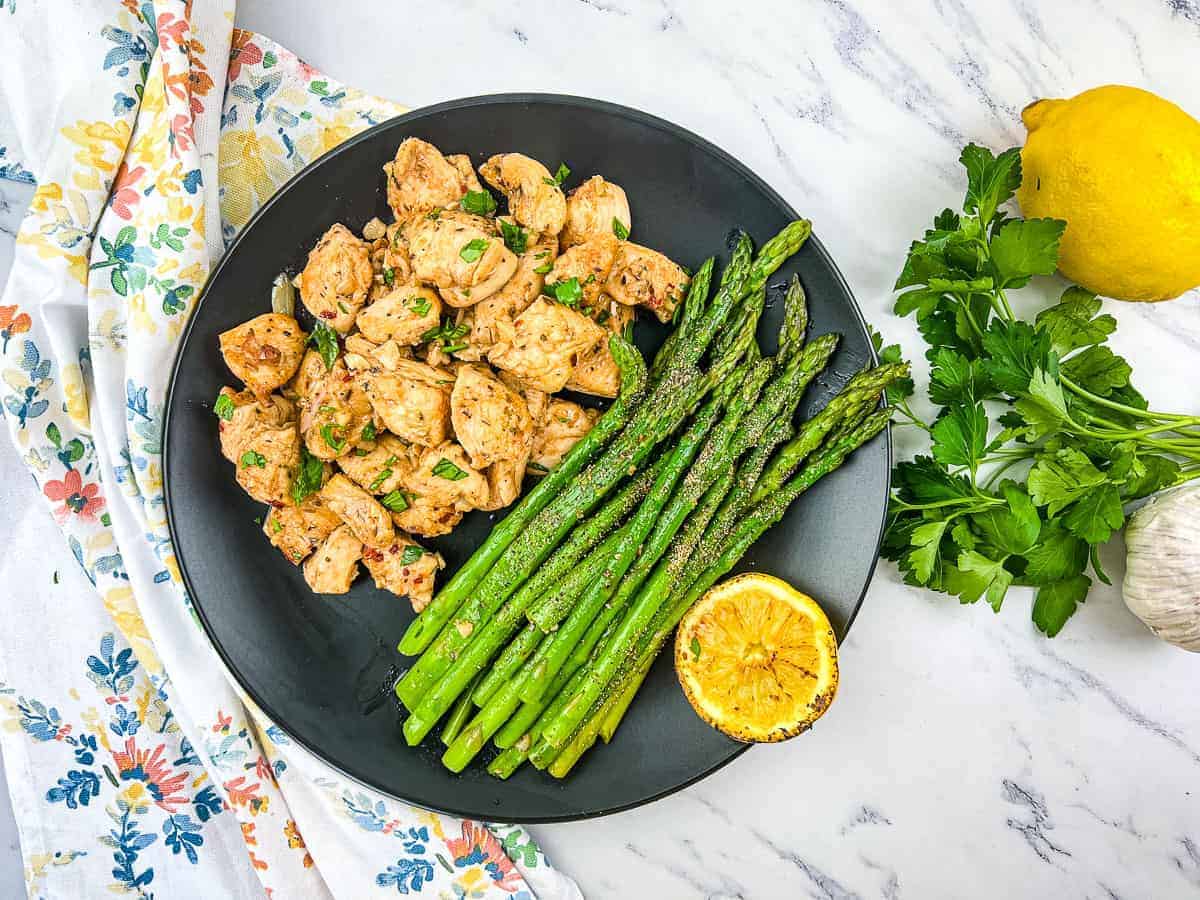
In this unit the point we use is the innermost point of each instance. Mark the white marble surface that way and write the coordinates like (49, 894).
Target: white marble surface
(966, 755)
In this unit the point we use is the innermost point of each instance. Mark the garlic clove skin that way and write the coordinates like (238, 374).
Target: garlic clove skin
(1162, 567)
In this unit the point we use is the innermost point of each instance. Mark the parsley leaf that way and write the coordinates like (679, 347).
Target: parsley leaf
(544, 268)
(516, 238)
(419, 305)
(334, 442)
(568, 292)
(473, 249)
(411, 554)
(253, 458)
(1056, 602)
(991, 180)
(977, 576)
(368, 432)
(1098, 369)
(309, 476)
(479, 203)
(1059, 479)
(619, 229)
(325, 339)
(394, 500)
(560, 176)
(960, 436)
(1073, 321)
(389, 276)
(448, 470)
(1026, 247)
(1096, 514)
(224, 407)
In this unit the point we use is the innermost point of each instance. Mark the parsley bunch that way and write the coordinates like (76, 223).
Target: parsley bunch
(1046, 400)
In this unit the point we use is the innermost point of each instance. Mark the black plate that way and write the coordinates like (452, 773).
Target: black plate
(322, 667)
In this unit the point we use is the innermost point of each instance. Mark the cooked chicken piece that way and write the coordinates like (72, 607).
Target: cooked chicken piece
(489, 316)
(644, 277)
(490, 421)
(389, 254)
(504, 479)
(335, 281)
(405, 568)
(335, 413)
(269, 457)
(402, 315)
(247, 416)
(311, 368)
(562, 427)
(412, 399)
(544, 344)
(444, 477)
(597, 373)
(591, 209)
(382, 469)
(427, 519)
(534, 198)
(420, 178)
(536, 400)
(461, 254)
(297, 530)
(264, 352)
(366, 516)
(332, 568)
(589, 263)
(462, 162)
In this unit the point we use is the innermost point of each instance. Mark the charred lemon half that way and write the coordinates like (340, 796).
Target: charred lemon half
(757, 659)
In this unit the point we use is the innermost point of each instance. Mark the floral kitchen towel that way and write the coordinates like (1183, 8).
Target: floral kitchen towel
(135, 764)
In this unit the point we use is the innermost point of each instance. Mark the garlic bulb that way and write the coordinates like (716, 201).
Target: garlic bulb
(1162, 566)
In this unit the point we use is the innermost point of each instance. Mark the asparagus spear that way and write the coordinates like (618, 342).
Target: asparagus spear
(426, 626)
(693, 308)
(795, 320)
(457, 718)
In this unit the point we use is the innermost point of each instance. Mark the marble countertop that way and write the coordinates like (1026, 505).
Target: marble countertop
(966, 754)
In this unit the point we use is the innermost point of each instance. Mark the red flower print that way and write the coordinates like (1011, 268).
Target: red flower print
(152, 770)
(171, 29)
(82, 499)
(479, 847)
(243, 52)
(182, 136)
(12, 322)
(223, 722)
(124, 195)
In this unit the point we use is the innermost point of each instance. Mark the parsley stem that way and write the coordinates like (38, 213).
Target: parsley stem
(1121, 407)
(997, 472)
(981, 499)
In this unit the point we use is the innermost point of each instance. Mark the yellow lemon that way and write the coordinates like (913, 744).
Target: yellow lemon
(1122, 167)
(757, 659)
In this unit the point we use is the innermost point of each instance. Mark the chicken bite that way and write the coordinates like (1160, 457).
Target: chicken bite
(412, 399)
(444, 477)
(365, 515)
(544, 344)
(597, 372)
(487, 317)
(490, 421)
(264, 352)
(297, 530)
(589, 263)
(334, 565)
(644, 277)
(336, 278)
(425, 518)
(403, 314)
(534, 198)
(269, 458)
(382, 469)
(405, 568)
(563, 426)
(461, 254)
(592, 210)
(462, 163)
(243, 414)
(336, 415)
(420, 178)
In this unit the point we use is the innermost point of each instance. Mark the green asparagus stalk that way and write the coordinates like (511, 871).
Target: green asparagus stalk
(458, 717)
(693, 309)
(433, 618)
(795, 320)
(508, 663)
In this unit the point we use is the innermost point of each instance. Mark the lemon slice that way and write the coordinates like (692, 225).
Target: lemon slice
(757, 659)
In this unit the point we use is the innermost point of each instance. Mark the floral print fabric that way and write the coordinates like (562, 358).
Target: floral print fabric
(136, 765)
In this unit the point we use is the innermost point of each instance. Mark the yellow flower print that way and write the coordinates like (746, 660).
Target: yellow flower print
(140, 319)
(101, 144)
(136, 795)
(76, 394)
(473, 883)
(434, 822)
(122, 606)
(250, 169)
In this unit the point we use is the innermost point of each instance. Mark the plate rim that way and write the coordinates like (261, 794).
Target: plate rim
(524, 98)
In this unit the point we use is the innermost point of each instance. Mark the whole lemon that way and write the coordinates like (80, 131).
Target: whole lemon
(1122, 167)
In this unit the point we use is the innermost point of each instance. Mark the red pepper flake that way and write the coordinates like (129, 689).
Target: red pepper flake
(328, 314)
(395, 548)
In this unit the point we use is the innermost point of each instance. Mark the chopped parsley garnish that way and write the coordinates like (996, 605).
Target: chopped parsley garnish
(383, 476)
(395, 501)
(516, 238)
(368, 432)
(419, 305)
(481, 203)
(345, 310)
(411, 554)
(253, 458)
(325, 339)
(275, 526)
(695, 648)
(327, 408)
(449, 334)
(224, 407)
(389, 275)
(448, 470)
(560, 176)
(568, 292)
(335, 443)
(434, 215)
(544, 268)
(473, 249)
(619, 229)
(308, 478)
